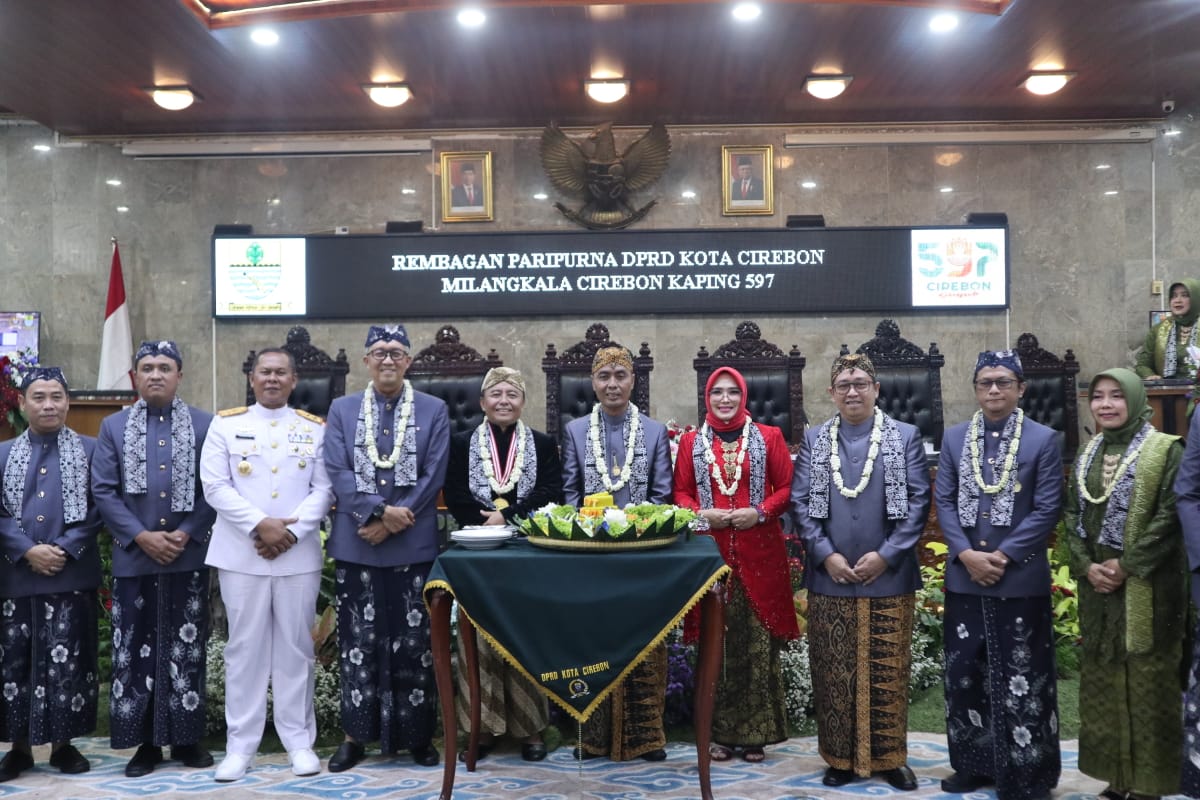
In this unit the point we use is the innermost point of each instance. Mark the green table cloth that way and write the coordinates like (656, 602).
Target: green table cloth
(575, 623)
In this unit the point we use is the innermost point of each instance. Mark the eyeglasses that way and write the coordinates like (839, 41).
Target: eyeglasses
(858, 386)
(383, 355)
(725, 393)
(1000, 383)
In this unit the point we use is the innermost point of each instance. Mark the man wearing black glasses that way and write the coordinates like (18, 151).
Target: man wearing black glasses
(387, 450)
(999, 495)
(860, 498)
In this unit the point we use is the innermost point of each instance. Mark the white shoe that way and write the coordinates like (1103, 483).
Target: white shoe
(305, 762)
(233, 768)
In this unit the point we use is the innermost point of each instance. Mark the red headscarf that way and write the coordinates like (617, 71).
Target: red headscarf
(739, 418)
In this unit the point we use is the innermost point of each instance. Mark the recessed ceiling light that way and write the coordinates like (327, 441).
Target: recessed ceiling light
(1047, 82)
(943, 23)
(746, 12)
(122, 209)
(407, 190)
(388, 95)
(1111, 192)
(42, 148)
(113, 181)
(809, 184)
(471, 18)
(826, 87)
(274, 201)
(264, 37)
(1172, 132)
(946, 189)
(1104, 166)
(541, 196)
(173, 98)
(606, 91)
(688, 194)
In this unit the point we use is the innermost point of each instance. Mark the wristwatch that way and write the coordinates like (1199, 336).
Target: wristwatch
(379, 509)
(762, 515)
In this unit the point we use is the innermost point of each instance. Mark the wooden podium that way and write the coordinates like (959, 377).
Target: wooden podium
(1169, 400)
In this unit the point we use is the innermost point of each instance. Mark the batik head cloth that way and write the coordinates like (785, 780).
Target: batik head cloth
(1000, 358)
(164, 347)
(851, 361)
(387, 333)
(44, 374)
(612, 357)
(502, 375)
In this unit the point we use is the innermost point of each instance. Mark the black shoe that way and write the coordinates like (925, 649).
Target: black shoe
(481, 752)
(14, 763)
(963, 782)
(837, 777)
(348, 754)
(143, 761)
(533, 751)
(654, 755)
(901, 778)
(195, 756)
(579, 754)
(69, 760)
(426, 756)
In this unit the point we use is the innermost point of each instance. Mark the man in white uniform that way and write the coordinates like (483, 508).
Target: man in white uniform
(263, 470)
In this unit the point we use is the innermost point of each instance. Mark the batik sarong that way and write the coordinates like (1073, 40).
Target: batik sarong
(508, 702)
(629, 722)
(48, 674)
(861, 654)
(388, 690)
(749, 709)
(1001, 696)
(160, 626)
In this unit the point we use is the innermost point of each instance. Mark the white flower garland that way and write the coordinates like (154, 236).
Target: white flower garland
(486, 448)
(1086, 457)
(1010, 458)
(368, 412)
(835, 460)
(706, 435)
(598, 451)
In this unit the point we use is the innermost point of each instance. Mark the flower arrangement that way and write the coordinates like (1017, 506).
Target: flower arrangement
(13, 367)
(675, 432)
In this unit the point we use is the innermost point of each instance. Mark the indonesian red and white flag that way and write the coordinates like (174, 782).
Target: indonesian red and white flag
(116, 345)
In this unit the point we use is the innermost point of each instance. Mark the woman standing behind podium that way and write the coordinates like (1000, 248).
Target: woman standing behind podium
(738, 474)
(498, 471)
(1164, 354)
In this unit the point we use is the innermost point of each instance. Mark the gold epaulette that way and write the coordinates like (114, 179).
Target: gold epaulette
(310, 417)
(233, 412)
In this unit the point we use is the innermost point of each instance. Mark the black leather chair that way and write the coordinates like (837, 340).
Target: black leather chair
(774, 379)
(1050, 391)
(569, 392)
(910, 380)
(320, 379)
(454, 372)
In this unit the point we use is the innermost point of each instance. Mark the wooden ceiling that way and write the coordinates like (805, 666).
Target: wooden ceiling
(81, 67)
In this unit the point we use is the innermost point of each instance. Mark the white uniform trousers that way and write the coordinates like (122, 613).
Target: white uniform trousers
(270, 641)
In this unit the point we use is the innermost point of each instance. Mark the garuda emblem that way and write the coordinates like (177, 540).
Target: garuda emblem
(604, 179)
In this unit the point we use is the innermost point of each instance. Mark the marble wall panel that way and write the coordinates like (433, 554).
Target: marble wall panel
(1082, 260)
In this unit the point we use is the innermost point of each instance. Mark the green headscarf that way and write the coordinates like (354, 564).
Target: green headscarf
(1193, 287)
(1135, 400)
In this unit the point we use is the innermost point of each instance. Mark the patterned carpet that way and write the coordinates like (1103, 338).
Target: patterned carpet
(792, 772)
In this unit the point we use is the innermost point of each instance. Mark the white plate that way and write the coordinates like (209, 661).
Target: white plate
(477, 539)
(485, 529)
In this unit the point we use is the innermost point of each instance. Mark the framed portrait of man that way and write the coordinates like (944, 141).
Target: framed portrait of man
(748, 182)
(467, 186)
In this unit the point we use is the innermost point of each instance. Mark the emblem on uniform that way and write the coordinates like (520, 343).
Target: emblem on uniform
(578, 688)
